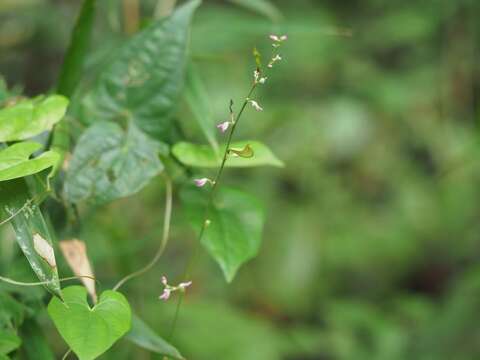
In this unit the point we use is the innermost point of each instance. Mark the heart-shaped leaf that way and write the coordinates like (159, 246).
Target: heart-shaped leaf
(236, 222)
(90, 331)
(31, 117)
(109, 163)
(204, 156)
(144, 79)
(15, 162)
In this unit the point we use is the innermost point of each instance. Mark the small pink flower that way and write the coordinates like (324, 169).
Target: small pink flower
(283, 37)
(223, 126)
(166, 294)
(164, 280)
(255, 105)
(274, 38)
(200, 182)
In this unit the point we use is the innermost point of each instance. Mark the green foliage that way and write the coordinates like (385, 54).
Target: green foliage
(110, 162)
(204, 156)
(144, 80)
(9, 341)
(30, 117)
(235, 230)
(90, 331)
(27, 221)
(15, 162)
(142, 335)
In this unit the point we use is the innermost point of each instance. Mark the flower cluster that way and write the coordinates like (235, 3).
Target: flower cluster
(168, 289)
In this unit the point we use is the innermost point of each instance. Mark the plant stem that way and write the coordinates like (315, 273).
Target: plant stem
(20, 283)
(208, 206)
(164, 240)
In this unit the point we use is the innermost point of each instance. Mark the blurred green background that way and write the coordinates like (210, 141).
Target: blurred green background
(372, 244)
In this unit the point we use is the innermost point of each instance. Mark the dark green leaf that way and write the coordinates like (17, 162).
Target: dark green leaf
(142, 335)
(27, 221)
(145, 79)
(204, 156)
(236, 222)
(31, 117)
(110, 163)
(90, 331)
(15, 162)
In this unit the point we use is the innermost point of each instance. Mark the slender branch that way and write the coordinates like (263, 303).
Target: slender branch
(39, 283)
(164, 240)
(208, 206)
(65, 356)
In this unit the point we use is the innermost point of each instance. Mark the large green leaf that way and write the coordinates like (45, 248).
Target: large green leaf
(15, 162)
(204, 156)
(142, 335)
(198, 101)
(145, 79)
(28, 222)
(90, 331)
(9, 341)
(236, 222)
(109, 163)
(31, 117)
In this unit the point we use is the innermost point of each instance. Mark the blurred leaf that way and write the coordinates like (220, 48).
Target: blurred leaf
(144, 81)
(204, 156)
(90, 331)
(199, 103)
(109, 163)
(36, 346)
(262, 7)
(72, 68)
(12, 312)
(8, 341)
(142, 335)
(27, 221)
(235, 231)
(31, 117)
(15, 163)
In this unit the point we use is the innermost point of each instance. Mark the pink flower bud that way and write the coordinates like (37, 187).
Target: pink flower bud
(184, 285)
(255, 105)
(274, 37)
(223, 126)
(164, 280)
(165, 295)
(283, 37)
(200, 182)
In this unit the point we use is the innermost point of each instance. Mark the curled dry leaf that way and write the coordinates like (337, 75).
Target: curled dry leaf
(44, 249)
(75, 252)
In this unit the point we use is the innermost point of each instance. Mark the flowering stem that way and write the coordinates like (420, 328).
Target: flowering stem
(164, 240)
(209, 204)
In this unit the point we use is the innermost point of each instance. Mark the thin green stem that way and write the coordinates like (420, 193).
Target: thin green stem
(39, 283)
(164, 240)
(208, 206)
(65, 356)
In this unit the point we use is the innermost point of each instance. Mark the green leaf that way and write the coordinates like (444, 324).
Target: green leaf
(72, 68)
(28, 223)
(262, 7)
(15, 162)
(90, 331)
(12, 312)
(145, 79)
(110, 163)
(9, 341)
(197, 99)
(31, 117)
(203, 156)
(236, 222)
(142, 335)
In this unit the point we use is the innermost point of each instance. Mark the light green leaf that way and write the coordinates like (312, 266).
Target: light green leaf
(90, 331)
(9, 341)
(15, 162)
(31, 117)
(262, 7)
(142, 335)
(145, 79)
(110, 163)
(236, 222)
(28, 223)
(197, 99)
(203, 156)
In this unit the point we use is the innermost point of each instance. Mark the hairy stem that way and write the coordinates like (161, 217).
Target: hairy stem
(164, 240)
